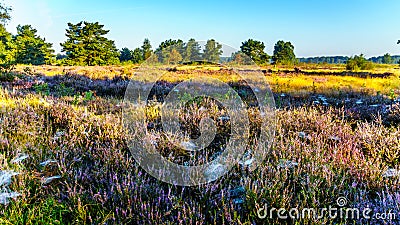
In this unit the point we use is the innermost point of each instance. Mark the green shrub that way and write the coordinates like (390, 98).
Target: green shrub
(62, 90)
(7, 77)
(42, 89)
(89, 95)
(359, 62)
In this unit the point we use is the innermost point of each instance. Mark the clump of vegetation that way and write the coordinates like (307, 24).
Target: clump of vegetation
(7, 76)
(359, 62)
(42, 89)
(284, 53)
(63, 90)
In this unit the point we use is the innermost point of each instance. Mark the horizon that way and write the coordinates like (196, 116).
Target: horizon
(315, 28)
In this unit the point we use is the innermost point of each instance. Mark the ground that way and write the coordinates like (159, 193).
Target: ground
(62, 136)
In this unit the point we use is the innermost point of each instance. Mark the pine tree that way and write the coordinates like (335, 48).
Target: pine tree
(164, 50)
(192, 51)
(387, 59)
(212, 51)
(255, 50)
(137, 55)
(7, 47)
(146, 49)
(125, 55)
(7, 51)
(4, 14)
(31, 48)
(284, 53)
(86, 45)
(175, 57)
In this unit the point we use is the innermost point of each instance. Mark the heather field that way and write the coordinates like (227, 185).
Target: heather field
(65, 158)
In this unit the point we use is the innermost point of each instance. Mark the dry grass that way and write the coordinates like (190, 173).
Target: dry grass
(319, 154)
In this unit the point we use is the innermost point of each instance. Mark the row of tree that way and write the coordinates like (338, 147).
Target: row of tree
(173, 51)
(87, 44)
(325, 59)
(385, 59)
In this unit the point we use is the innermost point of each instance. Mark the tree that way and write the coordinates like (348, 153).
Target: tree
(31, 48)
(60, 56)
(398, 42)
(358, 62)
(146, 49)
(240, 58)
(4, 14)
(192, 51)
(7, 47)
(237, 57)
(387, 59)
(164, 50)
(284, 53)
(168, 43)
(255, 50)
(86, 45)
(125, 55)
(7, 50)
(175, 56)
(137, 55)
(212, 51)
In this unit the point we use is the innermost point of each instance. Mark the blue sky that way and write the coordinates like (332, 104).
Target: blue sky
(340, 27)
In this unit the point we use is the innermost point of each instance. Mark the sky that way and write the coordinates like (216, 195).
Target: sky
(315, 28)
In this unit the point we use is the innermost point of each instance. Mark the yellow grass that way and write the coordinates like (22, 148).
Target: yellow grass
(333, 84)
(279, 82)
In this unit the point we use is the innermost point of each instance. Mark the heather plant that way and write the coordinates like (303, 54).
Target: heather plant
(72, 164)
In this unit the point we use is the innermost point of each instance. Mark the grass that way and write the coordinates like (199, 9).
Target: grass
(333, 85)
(279, 82)
(319, 154)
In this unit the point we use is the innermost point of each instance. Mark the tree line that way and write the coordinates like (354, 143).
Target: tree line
(385, 59)
(87, 45)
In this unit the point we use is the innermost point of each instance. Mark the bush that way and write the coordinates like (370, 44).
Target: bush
(7, 77)
(358, 62)
(63, 90)
(42, 89)
(6, 74)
